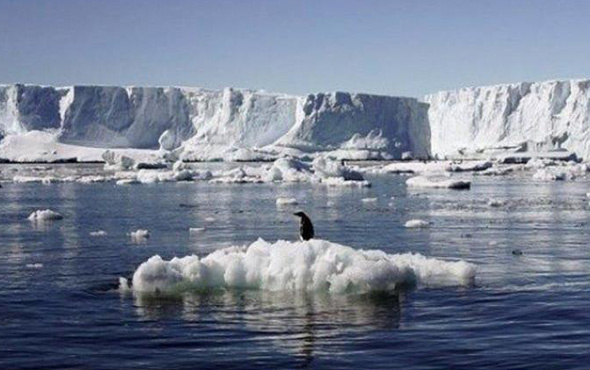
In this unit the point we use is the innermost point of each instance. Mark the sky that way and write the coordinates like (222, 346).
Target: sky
(407, 48)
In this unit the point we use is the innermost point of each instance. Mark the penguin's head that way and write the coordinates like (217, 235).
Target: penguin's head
(300, 214)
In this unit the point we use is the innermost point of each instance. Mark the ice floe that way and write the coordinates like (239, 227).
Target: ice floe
(45, 215)
(316, 265)
(426, 182)
(416, 224)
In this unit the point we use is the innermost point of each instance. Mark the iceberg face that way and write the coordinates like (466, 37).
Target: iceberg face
(25, 108)
(235, 124)
(389, 125)
(129, 118)
(549, 115)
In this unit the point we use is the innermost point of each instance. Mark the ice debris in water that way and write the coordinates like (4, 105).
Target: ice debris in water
(286, 201)
(45, 215)
(495, 203)
(34, 265)
(315, 265)
(139, 235)
(196, 230)
(425, 182)
(369, 200)
(413, 224)
(98, 233)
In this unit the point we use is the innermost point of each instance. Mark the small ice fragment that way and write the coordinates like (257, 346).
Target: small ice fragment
(124, 285)
(34, 265)
(210, 219)
(140, 235)
(495, 203)
(98, 233)
(416, 224)
(196, 230)
(128, 182)
(369, 200)
(286, 201)
(45, 215)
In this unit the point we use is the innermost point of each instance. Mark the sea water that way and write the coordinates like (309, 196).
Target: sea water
(61, 306)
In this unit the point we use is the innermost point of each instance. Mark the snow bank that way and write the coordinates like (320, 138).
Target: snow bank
(45, 215)
(315, 265)
(425, 182)
(536, 117)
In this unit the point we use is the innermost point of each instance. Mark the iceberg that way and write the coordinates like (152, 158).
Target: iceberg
(195, 124)
(551, 119)
(315, 265)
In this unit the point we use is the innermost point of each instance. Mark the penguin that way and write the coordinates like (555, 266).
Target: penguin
(305, 226)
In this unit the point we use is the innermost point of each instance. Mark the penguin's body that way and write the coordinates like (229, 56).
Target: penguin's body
(305, 226)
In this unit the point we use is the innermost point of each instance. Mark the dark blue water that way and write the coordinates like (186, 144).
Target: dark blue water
(525, 311)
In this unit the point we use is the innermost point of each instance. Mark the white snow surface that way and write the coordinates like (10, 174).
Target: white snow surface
(542, 115)
(198, 124)
(315, 265)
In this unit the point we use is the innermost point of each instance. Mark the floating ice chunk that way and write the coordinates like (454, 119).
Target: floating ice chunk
(98, 233)
(45, 215)
(90, 179)
(286, 201)
(496, 203)
(128, 182)
(469, 166)
(196, 230)
(124, 285)
(414, 224)
(341, 182)
(324, 167)
(425, 182)
(139, 235)
(545, 175)
(34, 265)
(315, 265)
(369, 200)
(27, 179)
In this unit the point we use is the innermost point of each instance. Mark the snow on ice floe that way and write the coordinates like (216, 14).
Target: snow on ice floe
(416, 224)
(316, 265)
(45, 215)
(426, 182)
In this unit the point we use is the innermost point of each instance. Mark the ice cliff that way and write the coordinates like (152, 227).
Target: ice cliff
(524, 116)
(203, 124)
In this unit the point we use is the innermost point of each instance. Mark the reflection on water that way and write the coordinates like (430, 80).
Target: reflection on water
(524, 311)
(293, 321)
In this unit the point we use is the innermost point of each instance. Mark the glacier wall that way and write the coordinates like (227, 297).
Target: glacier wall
(207, 124)
(551, 114)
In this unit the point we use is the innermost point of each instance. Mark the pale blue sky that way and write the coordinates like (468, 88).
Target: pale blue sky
(387, 47)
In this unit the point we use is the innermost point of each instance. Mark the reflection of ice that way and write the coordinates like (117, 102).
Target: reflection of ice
(295, 322)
